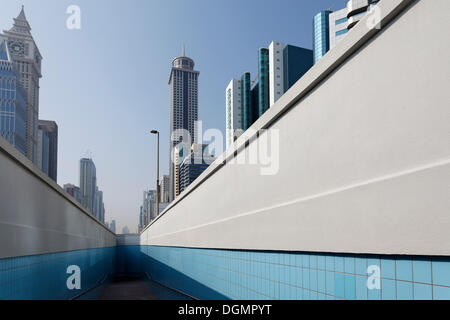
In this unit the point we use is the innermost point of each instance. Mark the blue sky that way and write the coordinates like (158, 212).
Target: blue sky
(106, 85)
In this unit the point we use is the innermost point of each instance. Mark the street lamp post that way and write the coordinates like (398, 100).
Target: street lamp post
(157, 171)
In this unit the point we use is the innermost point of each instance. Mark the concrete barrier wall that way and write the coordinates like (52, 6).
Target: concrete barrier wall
(37, 216)
(364, 153)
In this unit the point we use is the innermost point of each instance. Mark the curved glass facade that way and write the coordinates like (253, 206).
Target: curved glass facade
(321, 42)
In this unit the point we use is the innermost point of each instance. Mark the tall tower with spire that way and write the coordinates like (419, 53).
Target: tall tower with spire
(27, 59)
(183, 83)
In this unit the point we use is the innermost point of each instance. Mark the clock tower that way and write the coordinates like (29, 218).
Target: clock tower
(27, 59)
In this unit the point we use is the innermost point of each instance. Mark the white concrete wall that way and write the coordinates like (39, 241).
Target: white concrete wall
(364, 153)
(37, 216)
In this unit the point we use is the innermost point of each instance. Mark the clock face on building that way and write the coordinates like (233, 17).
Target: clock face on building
(17, 48)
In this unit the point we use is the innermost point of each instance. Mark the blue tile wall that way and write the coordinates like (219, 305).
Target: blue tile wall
(44, 277)
(234, 274)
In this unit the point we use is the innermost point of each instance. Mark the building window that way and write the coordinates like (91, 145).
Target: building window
(341, 32)
(343, 20)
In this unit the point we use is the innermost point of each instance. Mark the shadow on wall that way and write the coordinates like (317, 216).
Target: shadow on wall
(137, 259)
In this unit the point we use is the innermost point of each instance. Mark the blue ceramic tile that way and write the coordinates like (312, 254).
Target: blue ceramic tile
(404, 290)
(329, 282)
(441, 293)
(321, 262)
(329, 263)
(441, 272)
(373, 262)
(306, 279)
(349, 265)
(422, 271)
(313, 279)
(350, 287)
(339, 264)
(423, 291)
(305, 261)
(404, 268)
(374, 294)
(299, 294)
(306, 294)
(313, 261)
(339, 285)
(387, 268)
(321, 286)
(361, 288)
(388, 289)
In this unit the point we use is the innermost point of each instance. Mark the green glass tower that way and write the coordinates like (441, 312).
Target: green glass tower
(246, 101)
(263, 81)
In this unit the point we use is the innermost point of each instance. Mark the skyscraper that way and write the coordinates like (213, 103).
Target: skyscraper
(73, 190)
(263, 81)
(338, 26)
(13, 101)
(183, 83)
(193, 165)
(321, 34)
(179, 153)
(47, 155)
(275, 71)
(296, 62)
(112, 226)
(233, 107)
(331, 27)
(43, 148)
(88, 183)
(99, 207)
(27, 58)
(287, 64)
(164, 189)
(247, 112)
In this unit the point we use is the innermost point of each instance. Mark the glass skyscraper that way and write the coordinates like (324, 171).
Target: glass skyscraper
(27, 59)
(47, 158)
(193, 165)
(321, 34)
(246, 100)
(13, 101)
(183, 83)
(263, 81)
(88, 183)
(296, 62)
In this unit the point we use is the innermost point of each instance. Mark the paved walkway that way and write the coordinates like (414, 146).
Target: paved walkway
(137, 287)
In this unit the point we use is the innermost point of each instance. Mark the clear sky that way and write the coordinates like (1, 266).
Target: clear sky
(106, 85)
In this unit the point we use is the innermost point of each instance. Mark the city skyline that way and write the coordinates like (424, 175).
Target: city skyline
(80, 131)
